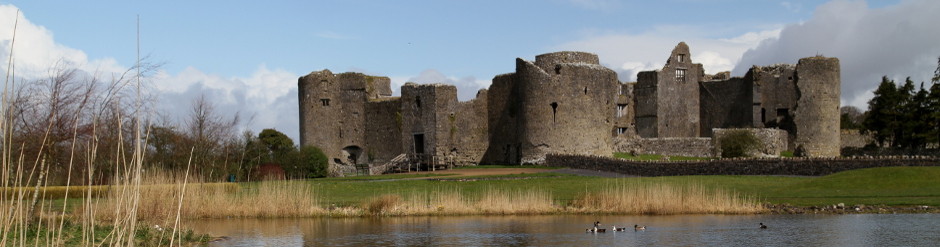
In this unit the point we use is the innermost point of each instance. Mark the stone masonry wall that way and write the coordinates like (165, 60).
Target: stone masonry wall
(854, 138)
(817, 111)
(772, 141)
(567, 109)
(470, 132)
(668, 146)
(503, 118)
(725, 104)
(772, 166)
(383, 129)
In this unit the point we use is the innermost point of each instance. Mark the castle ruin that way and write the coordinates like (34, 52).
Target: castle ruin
(566, 103)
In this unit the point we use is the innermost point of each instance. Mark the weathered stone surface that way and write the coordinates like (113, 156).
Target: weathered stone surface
(567, 103)
(668, 146)
(675, 91)
(817, 111)
(772, 141)
(854, 139)
(765, 166)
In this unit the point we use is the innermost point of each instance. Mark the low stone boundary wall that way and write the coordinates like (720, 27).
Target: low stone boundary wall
(768, 166)
(670, 146)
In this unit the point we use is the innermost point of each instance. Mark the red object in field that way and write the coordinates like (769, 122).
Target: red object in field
(269, 171)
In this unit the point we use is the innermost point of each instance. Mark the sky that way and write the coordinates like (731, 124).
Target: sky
(245, 56)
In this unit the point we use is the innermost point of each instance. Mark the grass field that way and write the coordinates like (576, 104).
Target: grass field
(893, 186)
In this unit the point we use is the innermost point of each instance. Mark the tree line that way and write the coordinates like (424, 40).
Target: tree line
(900, 115)
(81, 127)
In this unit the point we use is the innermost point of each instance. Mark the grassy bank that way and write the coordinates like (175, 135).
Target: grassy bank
(534, 193)
(893, 186)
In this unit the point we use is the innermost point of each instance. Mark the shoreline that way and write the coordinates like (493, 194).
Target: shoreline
(782, 209)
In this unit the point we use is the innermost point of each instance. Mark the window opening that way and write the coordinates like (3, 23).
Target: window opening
(419, 143)
(554, 110)
(621, 131)
(621, 110)
(763, 115)
(325, 102)
(418, 101)
(680, 75)
(680, 57)
(585, 90)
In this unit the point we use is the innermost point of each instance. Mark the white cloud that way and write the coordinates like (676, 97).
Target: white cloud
(35, 49)
(897, 41)
(632, 53)
(467, 87)
(268, 96)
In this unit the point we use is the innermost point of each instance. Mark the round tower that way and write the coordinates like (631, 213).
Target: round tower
(816, 113)
(567, 107)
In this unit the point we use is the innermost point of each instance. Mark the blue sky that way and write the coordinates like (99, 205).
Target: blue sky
(246, 55)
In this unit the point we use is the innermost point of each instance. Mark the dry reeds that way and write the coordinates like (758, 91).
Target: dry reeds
(160, 199)
(649, 198)
(453, 202)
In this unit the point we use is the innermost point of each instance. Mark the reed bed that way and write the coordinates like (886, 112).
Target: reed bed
(453, 202)
(161, 199)
(657, 198)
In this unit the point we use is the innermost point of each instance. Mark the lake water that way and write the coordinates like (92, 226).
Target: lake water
(568, 230)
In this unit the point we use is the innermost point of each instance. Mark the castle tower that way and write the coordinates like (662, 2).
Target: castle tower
(333, 114)
(667, 100)
(566, 105)
(816, 117)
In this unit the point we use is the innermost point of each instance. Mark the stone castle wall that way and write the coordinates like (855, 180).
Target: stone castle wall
(854, 139)
(766, 166)
(567, 103)
(667, 146)
(383, 129)
(567, 108)
(772, 141)
(816, 117)
(725, 104)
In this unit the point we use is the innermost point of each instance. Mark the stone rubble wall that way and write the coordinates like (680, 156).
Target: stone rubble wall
(759, 166)
(669, 146)
(773, 141)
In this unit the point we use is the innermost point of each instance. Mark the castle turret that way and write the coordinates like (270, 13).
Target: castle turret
(816, 116)
(567, 105)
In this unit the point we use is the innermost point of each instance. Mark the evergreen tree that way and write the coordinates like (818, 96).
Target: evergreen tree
(933, 108)
(883, 113)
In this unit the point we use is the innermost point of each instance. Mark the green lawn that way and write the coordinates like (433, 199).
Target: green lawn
(889, 185)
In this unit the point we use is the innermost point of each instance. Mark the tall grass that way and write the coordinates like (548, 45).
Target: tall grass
(453, 202)
(658, 198)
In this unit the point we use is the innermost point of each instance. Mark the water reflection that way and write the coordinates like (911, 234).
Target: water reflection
(568, 230)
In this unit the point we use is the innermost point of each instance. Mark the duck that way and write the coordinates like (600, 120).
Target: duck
(639, 228)
(762, 226)
(616, 229)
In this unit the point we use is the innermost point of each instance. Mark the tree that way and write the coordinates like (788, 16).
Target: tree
(883, 113)
(277, 143)
(851, 117)
(933, 108)
(738, 143)
(312, 162)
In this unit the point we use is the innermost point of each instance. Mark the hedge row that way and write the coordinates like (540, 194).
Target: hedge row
(776, 166)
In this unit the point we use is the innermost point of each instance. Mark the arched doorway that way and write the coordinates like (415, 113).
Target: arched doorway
(352, 155)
